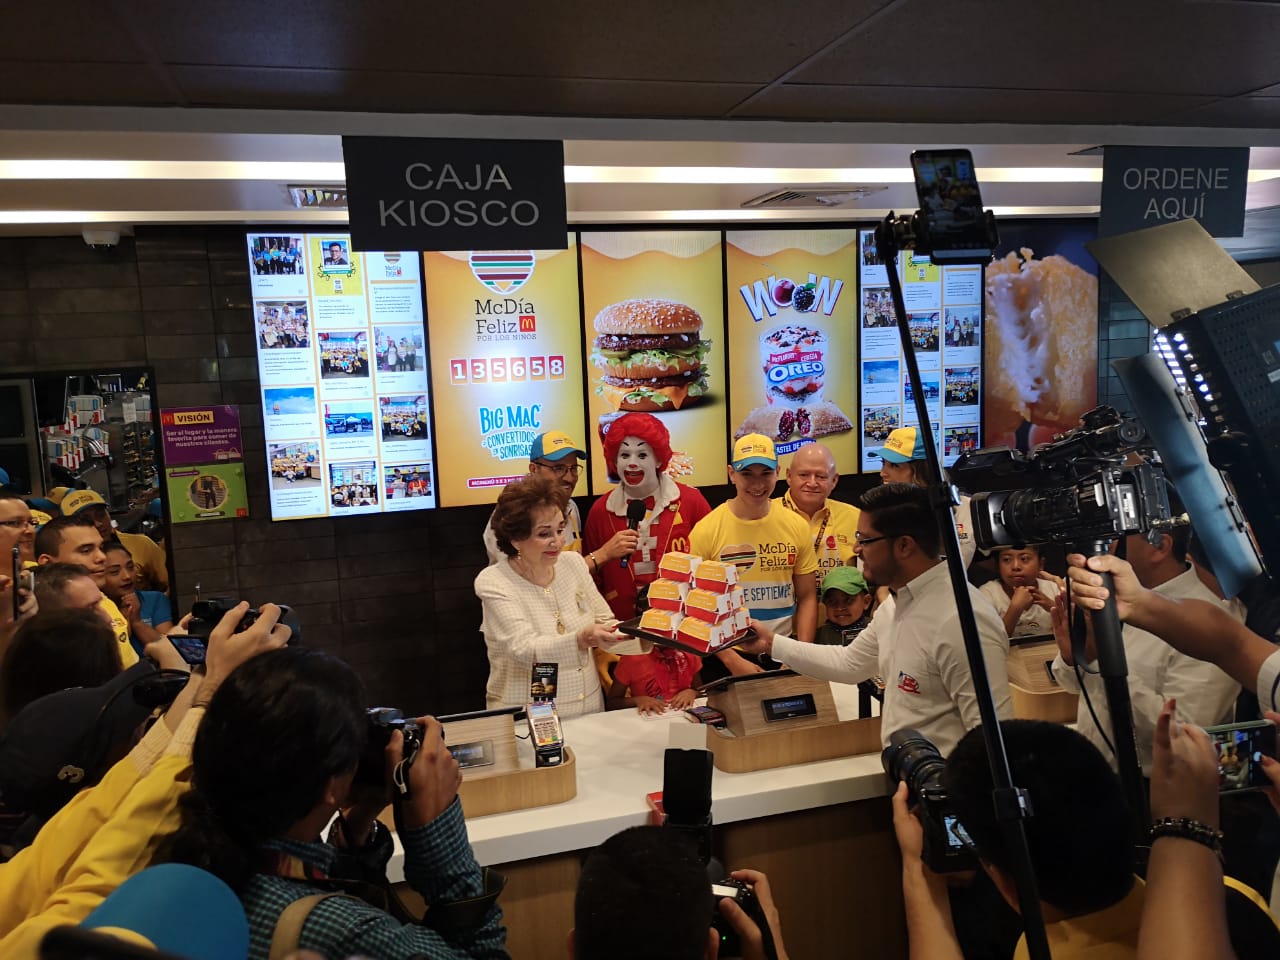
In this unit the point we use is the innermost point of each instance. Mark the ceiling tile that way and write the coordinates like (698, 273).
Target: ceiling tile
(744, 41)
(896, 104)
(66, 31)
(1094, 45)
(1236, 112)
(81, 83)
(433, 93)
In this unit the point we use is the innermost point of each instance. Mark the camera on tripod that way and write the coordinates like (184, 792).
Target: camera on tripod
(912, 757)
(1077, 490)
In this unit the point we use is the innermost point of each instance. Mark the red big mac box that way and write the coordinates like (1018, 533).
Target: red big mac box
(679, 567)
(716, 576)
(667, 595)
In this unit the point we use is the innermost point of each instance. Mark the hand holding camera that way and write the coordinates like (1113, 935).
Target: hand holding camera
(231, 643)
(433, 778)
(747, 918)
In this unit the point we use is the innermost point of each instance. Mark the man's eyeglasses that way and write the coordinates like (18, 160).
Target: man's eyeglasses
(560, 469)
(862, 541)
(17, 524)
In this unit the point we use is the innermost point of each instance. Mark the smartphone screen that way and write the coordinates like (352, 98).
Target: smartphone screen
(1240, 747)
(947, 188)
(191, 649)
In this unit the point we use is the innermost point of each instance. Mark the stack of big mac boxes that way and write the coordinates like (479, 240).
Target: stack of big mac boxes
(696, 603)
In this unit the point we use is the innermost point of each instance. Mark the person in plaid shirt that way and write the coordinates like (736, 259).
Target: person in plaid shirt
(274, 760)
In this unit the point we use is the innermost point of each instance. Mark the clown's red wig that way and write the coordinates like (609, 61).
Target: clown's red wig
(643, 425)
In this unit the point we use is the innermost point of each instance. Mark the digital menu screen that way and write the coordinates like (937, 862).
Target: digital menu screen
(792, 307)
(944, 307)
(506, 355)
(342, 363)
(654, 319)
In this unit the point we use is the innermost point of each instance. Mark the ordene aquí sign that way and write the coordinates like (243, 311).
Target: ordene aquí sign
(429, 194)
(1147, 186)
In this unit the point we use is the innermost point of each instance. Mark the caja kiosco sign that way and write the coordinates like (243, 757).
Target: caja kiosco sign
(406, 193)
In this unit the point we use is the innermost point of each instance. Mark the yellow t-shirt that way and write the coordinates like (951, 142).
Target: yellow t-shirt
(121, 627)
(768, 552)
(1110, 934)
(831, 529)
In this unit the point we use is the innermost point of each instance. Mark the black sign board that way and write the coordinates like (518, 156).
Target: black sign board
(409, 193)
(1148, 186)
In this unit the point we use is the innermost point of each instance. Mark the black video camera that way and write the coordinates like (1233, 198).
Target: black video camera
(382, 722)
(744, 895)
(1075, 490)
(207, 614)
(913, 758)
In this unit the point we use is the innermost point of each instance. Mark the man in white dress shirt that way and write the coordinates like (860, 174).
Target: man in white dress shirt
(914, 640)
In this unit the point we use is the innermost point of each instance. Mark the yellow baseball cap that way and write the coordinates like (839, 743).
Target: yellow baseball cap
(555, 445)
(74, 502)
(902, 446)
(57, 494)
(754, 448)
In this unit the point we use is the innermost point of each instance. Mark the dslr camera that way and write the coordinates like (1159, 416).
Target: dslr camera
(913, 758)
(208, 613)
(1076, 490)
(381, 723)
(745, 897)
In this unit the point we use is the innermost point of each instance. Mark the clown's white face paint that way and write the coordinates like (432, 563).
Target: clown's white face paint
(638, 467)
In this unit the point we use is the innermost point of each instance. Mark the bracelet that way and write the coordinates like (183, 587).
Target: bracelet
(595, 564)
(1187, 829)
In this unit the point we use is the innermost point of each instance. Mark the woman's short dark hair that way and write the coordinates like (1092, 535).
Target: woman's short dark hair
(279, 727)
(56, 650)
(513, 516)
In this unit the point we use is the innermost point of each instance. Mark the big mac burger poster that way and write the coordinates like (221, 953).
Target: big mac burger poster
(792, 302)
(506, 362)
(654, 316)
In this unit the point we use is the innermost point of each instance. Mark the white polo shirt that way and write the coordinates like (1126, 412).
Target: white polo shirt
(914, 642)
(1157, 672)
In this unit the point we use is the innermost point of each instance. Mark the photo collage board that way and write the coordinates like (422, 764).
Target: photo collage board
(343, 366)
(784, 331)
(944, 309)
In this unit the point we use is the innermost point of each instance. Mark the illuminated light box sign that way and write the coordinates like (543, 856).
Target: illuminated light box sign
(343, 366)
(654, 328)
(944, 310)
(792, 303)
(506, 362)
(435, 194)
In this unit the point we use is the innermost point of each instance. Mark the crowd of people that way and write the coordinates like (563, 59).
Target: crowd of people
(961, 331)
(276, 255)
(283, 326)
(354, 494)
(398, 357)
(877, 308)
(404, 422)
(849, 593)
(340, 359)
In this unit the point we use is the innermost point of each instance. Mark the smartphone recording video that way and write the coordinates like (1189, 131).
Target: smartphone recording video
(947, 188)
(1240, 748)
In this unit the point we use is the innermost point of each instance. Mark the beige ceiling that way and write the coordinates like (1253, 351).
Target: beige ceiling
(790, 90)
